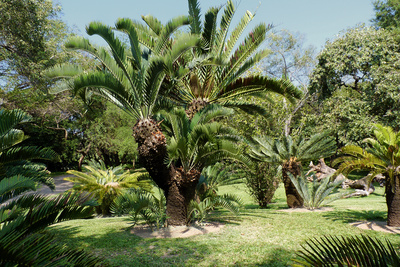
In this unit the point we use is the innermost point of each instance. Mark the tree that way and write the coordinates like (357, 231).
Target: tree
(132, 83)
(357, 69)
(30, 41)
(381, 156)
(290, 154)
(195, 144)
(288, 58)
(387, 14)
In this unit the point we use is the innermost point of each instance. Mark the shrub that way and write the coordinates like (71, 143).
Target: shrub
(262, 182)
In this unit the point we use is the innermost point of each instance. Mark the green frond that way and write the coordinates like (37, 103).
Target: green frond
(237, 32)
(167, 31)
(347, 251)
(154, 24)
(66, 70)
(10, 119)
(320, 145)
(127, 26)
(226, 20)
(210, 28)
(14, 186)
(194, 13)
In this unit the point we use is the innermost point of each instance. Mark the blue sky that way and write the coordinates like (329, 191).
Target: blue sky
(318, 20)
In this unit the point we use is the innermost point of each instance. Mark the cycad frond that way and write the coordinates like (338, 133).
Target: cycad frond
(347, 251)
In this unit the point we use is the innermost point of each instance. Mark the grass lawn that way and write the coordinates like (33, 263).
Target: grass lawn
(258, 237)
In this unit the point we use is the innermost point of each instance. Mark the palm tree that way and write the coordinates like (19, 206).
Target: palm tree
(21, 219)
(290, 154)
(382, 156)
(130, 79)
(107, 184)
(194, 144)
(217, 74)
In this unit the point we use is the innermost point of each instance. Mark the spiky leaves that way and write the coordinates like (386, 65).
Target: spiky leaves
(382, 155)
(290, 154)
(347, 251)
(106, 185)
(22, 242)
(220, 78)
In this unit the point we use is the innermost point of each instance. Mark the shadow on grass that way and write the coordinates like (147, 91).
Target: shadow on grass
(348, 216)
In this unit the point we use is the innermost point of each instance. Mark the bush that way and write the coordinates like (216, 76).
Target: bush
(262, 182)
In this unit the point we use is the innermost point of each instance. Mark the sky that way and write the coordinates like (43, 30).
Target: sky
(317, 20)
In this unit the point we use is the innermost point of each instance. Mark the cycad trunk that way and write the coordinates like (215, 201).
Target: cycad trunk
(293, 198)
(178, 187)
(182, 190)
(393, 201)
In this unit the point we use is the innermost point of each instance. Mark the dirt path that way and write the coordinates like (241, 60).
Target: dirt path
(61, 185)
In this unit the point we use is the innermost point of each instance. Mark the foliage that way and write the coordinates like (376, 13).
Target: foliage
(317, 194)
(272, 150)
(201, 141)
(208, 198)
(30, 36)
(359, 69)
(198, 211)
(139, 204)
(382, 156)
(22, 218)
(262, 180)
(218, 67)
(387, 13)
(348, 251)
(15, 158)
(110, 136)
(107, 184)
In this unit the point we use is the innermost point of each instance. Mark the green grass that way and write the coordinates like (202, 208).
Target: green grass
(258, 237)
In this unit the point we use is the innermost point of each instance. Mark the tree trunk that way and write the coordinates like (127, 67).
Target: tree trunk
(181, 191)
(393, 201)
(179, 187)
(293, 198)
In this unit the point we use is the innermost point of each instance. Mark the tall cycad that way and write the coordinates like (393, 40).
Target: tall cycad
(382, 156)
(217, 72)
(131, 80)
(195, 144)
(290, 154)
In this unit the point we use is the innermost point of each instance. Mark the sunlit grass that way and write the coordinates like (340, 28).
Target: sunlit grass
(258, 237)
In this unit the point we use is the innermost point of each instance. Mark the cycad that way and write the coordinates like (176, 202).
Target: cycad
(22, 243)
(107, 184)
(381, 156)
(290, 154)
(195, 144)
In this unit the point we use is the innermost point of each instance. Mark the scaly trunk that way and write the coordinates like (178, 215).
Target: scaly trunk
(293, 198)
(393, 201)
(152, 150)
(181, 191)
(178, 186)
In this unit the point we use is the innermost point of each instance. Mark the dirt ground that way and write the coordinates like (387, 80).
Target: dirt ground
(188, 231)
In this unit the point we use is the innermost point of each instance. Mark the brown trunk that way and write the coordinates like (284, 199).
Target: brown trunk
(293, 198)
(393, 201)
(181, 191)
(152, 149)
(179, 187)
